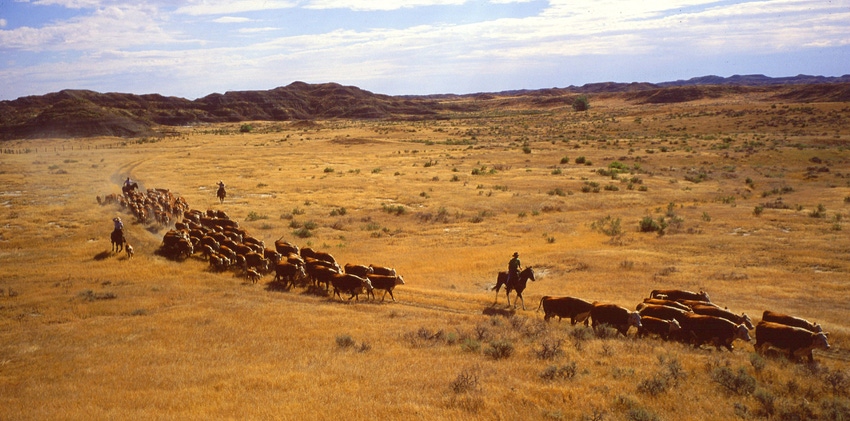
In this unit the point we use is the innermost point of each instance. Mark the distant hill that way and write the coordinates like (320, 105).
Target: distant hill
(82, 113)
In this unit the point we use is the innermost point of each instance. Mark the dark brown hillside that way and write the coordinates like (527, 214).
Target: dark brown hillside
(82, 113)
(833, 92)
(78, 113)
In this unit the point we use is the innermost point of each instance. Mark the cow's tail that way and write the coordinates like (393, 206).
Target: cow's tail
(545, 297)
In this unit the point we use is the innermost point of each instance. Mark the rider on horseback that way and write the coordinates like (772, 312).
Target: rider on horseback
(514, 267)
(119, 225)
(127, 182)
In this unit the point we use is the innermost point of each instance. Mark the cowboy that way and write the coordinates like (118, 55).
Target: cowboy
(119, 225)
(514, 266)
(220, 185)
(127, 182)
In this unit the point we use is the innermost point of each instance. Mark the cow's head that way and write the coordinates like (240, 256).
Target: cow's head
(399, 280)
(634, 319)
(704, 295)
(747, 321)
(819, 340)
(742, 333)
(674, 326)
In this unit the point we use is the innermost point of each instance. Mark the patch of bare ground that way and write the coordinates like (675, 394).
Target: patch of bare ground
(605, 205)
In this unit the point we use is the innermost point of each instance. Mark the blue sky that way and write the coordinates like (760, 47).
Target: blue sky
(192, 48)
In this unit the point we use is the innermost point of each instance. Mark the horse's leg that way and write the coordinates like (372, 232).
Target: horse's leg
(519, 295)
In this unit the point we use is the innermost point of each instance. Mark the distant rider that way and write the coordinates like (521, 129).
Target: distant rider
(514, 266)
(127, 182)
(220, 185)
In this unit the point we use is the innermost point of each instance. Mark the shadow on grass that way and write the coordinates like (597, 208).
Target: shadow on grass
(493, 311)
(102, 255)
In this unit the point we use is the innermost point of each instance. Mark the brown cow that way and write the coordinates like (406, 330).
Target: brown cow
(252, 275)
(726, 314)
(359, 270)
(664, 312)
(618, 317)
(288, 273)
(797, 341)
(668, 303)
(770, 316)
(721, 332)
(576, 309)
(350, 284)
(383, 270)
(678, 294)
(660, 327)
(386, 283)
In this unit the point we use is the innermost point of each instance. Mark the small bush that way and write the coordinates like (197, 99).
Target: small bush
(254, 216)
(653, 386)
(466, 381)
(581, 103)
(739, 383)
(499, 350)
(470, 345)
(549, 349)
(553, 372)
(344, 341)
(647, 224)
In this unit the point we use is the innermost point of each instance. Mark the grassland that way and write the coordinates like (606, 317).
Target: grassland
(752, 195)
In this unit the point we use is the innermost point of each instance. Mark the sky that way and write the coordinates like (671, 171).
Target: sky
(193, 48)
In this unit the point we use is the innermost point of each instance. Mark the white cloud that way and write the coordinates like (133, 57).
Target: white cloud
(231, 19)
(2, 23)
(69, 4)
(257, 30)
(222, 7)
(378, 5)
(107, 28)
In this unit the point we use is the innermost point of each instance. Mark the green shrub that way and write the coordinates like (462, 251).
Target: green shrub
(647, 224)
(581, 103)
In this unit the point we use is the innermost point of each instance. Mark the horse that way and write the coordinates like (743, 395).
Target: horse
(127, 188)
(221, 194)
(118, 240)
(517, 285)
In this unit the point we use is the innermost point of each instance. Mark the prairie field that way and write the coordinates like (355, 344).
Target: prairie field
(741, 196)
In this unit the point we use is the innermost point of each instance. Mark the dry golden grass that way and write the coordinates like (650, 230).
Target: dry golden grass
(91, 335)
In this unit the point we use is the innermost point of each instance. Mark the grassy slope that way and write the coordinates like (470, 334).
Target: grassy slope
(180, 341)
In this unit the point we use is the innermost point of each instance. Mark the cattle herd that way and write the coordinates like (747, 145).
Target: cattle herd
(675, 315)
(692, 318)
(215, 237)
